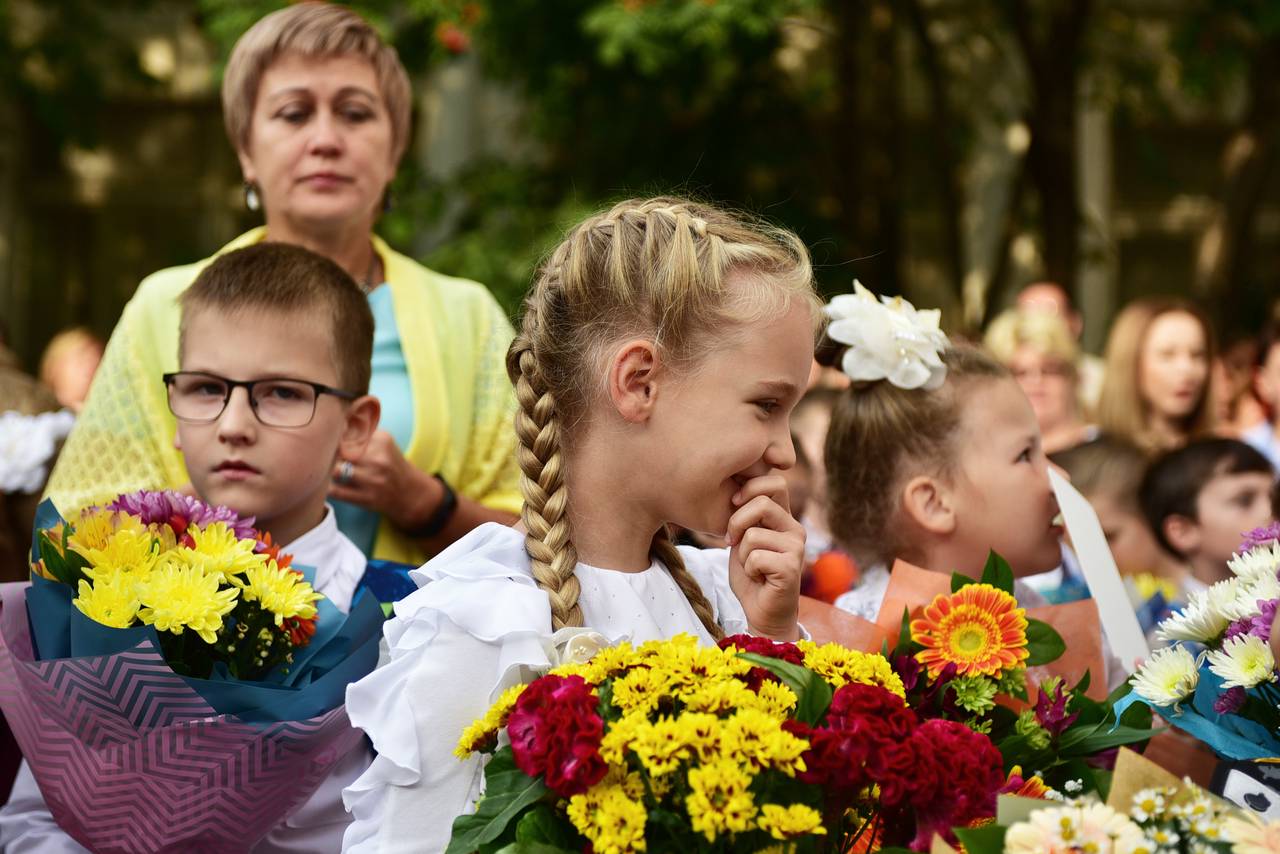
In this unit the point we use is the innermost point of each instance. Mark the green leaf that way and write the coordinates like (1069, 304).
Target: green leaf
(813, 694)
(541, 826)
(508, 791)
(1083, 684)
(1044, 644)
(988, 839)
(998, 573)
(1104, 740)
(519, 847)
(958, 581)
(58, 563)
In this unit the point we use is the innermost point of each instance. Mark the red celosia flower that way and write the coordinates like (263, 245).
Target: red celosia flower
(788, 652)
(555, 733)
(958, 773)
(865, 740)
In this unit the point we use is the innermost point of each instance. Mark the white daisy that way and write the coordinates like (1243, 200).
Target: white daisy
(1244, 661)
(1168, 677)
(1148, 804)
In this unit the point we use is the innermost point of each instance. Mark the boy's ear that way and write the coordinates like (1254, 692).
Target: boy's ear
(632, 380)
(929, 504)
(362, 420)
(1183, 533)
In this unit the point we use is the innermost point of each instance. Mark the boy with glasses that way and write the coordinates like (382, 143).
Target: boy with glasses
(272, 393)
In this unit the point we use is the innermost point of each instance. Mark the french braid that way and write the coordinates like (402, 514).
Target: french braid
(659, 268)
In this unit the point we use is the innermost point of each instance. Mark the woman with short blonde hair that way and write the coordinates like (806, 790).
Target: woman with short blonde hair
(1039, 350)
(317, 107)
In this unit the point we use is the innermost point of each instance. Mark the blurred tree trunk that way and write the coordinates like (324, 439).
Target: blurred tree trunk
(1053, 58)
(1223, 252)
(945, 157)
(868, 128)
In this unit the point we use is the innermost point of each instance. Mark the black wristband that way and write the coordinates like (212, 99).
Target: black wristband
(440, 518)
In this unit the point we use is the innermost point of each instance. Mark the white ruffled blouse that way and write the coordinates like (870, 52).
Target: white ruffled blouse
(478, 624)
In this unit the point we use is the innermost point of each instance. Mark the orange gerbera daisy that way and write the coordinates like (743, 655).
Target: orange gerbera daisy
(979, 628)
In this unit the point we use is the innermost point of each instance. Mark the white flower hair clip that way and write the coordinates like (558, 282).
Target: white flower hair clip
(888, 339)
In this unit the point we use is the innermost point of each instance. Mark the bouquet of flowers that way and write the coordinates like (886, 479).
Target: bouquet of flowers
(750, 747)
(1148, 811)
(973, 656)
(217, 595)
(165, 654)
(1217, 679)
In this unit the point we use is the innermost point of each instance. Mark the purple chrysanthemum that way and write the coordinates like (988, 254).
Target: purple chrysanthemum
(1261, 537)
(1229, 701)
(153, 507)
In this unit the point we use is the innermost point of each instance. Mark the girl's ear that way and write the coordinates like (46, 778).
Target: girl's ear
(633, 380)
(928, 503)
(362, 420)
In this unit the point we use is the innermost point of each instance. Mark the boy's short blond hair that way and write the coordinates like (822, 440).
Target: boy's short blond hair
(312, 29)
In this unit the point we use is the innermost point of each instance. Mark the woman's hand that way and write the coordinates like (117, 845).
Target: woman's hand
(384, 481)
(766, 557)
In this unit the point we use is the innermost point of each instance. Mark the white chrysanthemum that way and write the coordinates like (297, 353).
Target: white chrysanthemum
(888, 339)
(1260, 560)
(1244, 661)
(1169, 677)
(1251, 591)
(1204, 618)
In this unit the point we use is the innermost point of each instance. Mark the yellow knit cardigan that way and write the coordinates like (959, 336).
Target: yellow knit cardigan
(454, 337)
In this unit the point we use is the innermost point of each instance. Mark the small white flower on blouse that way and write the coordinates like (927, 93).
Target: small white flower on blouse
(574, 645)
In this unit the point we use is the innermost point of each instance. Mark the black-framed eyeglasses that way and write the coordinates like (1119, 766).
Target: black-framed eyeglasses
(201, 398)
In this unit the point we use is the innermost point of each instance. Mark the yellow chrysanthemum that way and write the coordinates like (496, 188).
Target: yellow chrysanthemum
(610, 818)
(638, 690)
(611, 661)
(790, 821)
(96, 526)
(758, 741)
(719, 800)
(486, 728)
(130, 549)
(111, 601)
(979, 628)
(718, 695)
(840, 667)
(775, 699)
(283, 592)
(687, 665)
(218, 551)
(621, 733)
(661, 745)
(176, 598)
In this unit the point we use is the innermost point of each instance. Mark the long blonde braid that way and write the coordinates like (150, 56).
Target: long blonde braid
(658, 268)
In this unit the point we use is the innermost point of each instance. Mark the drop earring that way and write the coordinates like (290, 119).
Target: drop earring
(251, 200)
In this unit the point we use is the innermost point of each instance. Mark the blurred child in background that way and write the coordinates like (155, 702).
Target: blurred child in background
(1201, 500)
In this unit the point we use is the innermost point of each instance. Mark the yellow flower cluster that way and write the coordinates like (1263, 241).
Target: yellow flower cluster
(139, 574)
(840, 666)
(610, 815)
(690, 726)
(484, 731)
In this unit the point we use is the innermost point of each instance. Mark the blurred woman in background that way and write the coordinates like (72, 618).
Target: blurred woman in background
(1156, 390)
(1040, 351)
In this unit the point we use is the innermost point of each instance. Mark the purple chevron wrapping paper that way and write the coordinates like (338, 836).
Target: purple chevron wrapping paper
(130, 759)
